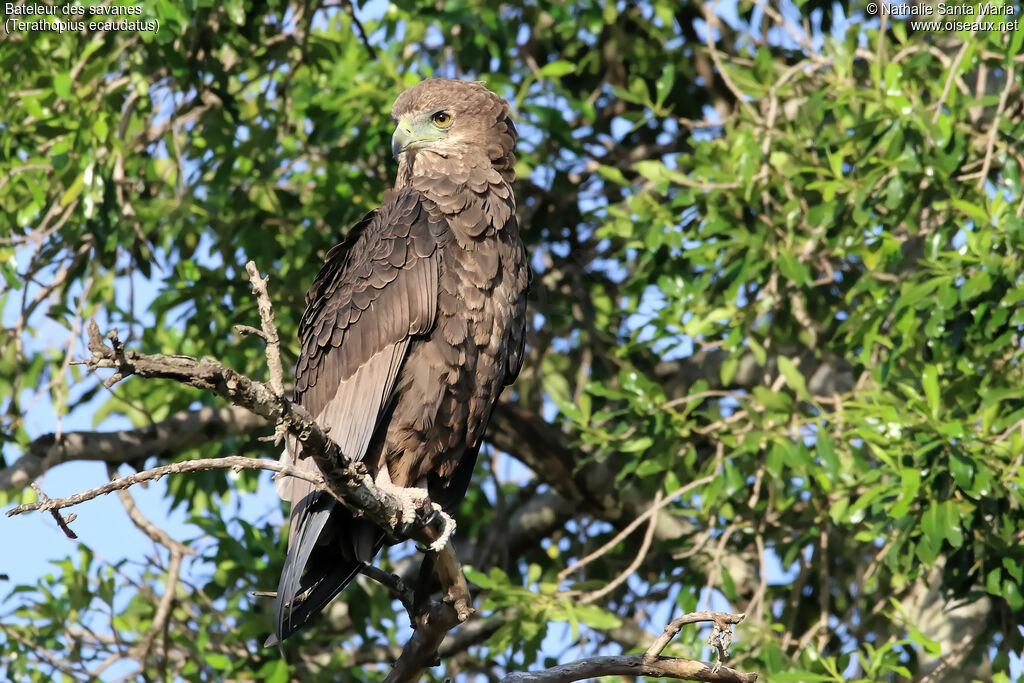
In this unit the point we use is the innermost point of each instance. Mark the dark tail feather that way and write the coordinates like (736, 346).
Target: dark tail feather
(328, 549)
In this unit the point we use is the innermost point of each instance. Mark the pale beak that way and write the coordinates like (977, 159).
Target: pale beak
(401, 139)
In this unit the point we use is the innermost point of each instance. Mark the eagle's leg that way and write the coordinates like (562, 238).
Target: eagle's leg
(411, 499)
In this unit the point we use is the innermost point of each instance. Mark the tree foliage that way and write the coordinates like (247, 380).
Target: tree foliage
(776, 251)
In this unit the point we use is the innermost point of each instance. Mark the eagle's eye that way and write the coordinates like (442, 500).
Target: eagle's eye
(442, 119)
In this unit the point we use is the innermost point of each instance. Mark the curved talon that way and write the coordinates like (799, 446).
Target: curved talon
(449, 529)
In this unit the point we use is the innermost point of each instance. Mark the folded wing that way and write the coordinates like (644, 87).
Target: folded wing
(375, 293)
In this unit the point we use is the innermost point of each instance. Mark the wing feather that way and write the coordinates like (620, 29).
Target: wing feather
(369, 297)
(376, 291)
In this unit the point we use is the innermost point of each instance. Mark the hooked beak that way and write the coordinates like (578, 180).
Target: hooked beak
(401, 139)
(409, 137)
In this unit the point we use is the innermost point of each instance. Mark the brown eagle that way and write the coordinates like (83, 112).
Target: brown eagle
(412, 329)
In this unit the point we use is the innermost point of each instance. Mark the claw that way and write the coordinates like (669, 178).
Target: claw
(408, 498)
(449, 529)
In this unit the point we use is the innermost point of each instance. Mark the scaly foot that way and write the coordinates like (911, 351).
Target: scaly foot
(409, 499)
(449, 529)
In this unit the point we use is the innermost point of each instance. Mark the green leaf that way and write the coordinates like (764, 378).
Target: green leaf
(557, 68)
(942, 521)
(758, 350)
(597, 617)
(100, 129)
(794, 269)
(910, 484)
(773, 400)
(73, 191)
(648, 468)
(18, 497)
(218, 661)
(637, 445)
(975, 212)
(477, 577)
(275, 671)
(236, 11)
(932, 523)
(962, 469)
(930, 380)
(976, 284)
(612, 174)
(797, 676)
(9, 269)
(663, 85)
(793, 378)
(1012, 593)
(932, 647)
(62, 85)
(826, 449)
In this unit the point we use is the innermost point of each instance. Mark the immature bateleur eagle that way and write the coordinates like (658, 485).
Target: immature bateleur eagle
(412, 329)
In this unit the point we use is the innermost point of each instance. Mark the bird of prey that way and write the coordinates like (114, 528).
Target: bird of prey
(412, 329)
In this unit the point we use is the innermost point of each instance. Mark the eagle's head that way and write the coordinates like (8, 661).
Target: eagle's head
(455, 120)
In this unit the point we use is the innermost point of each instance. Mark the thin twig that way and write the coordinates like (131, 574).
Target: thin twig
(711, 20)
(941, 102)
(235, 462)
(994, 129)
(155, 533)
(351, 11)
(654, 508)
(40, 652)
(271, 337)
(640, 556)
(173, 434)
(349, 482)
(62, 521)
(247, 330)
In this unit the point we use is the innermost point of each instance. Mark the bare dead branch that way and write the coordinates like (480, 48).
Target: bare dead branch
(234, 462)
(651, 663)
(247, 330)
(271, 337)
(722, 620)
(259, 287)
(632, 665)
(348, 481)
(178, 432)
(62, 521)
